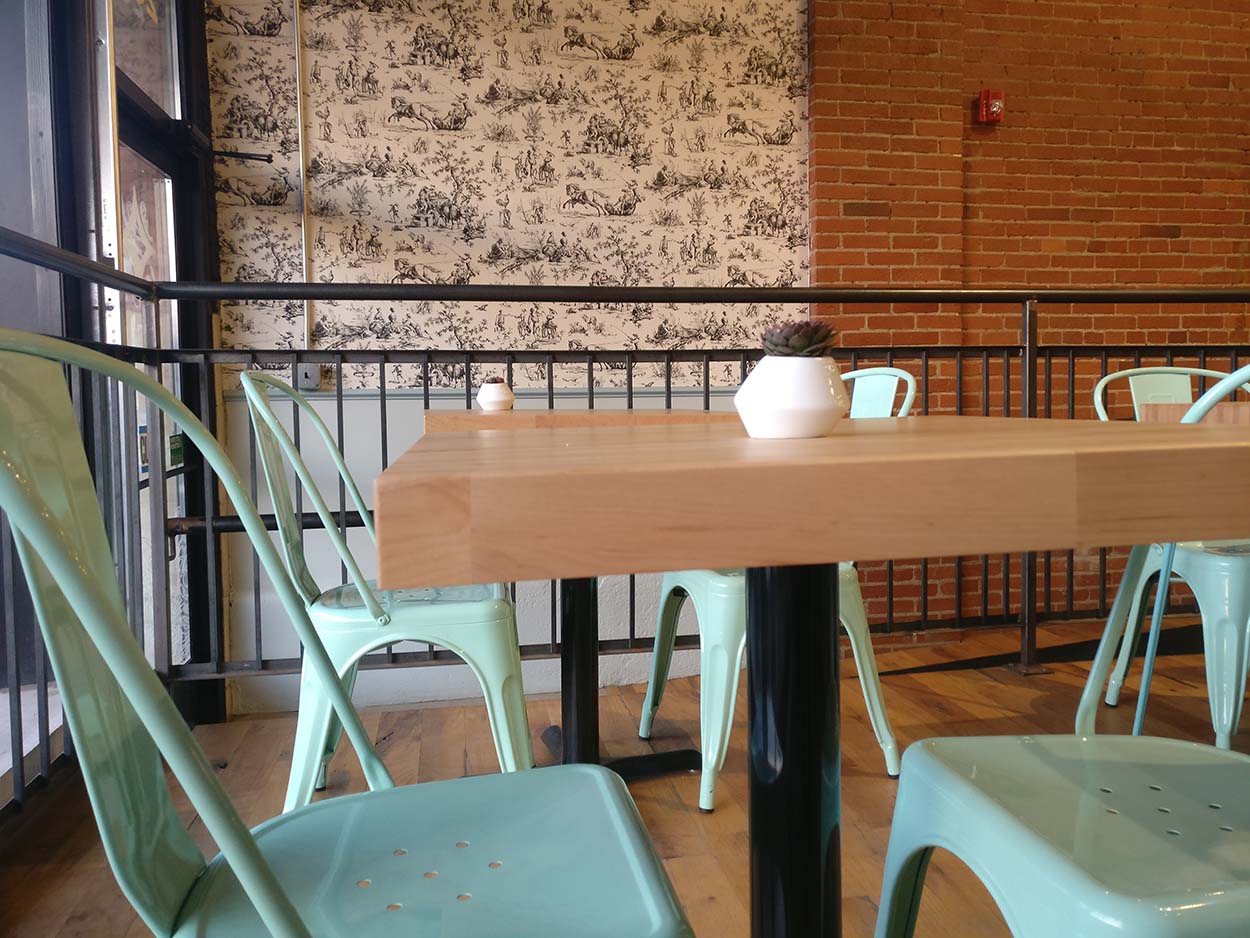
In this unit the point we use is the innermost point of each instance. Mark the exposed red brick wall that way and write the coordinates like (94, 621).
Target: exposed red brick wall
(1124, 160)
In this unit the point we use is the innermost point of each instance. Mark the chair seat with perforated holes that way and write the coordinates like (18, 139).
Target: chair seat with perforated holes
(539, 854)
(1090, 836)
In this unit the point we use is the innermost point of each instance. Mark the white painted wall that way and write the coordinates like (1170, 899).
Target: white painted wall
(362, 444)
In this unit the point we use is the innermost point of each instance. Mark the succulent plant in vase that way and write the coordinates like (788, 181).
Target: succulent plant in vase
(494, 394)
(805, 338)
(795, 390)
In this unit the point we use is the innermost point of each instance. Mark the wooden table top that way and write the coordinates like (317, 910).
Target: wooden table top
(1236, 413)
(479, 507)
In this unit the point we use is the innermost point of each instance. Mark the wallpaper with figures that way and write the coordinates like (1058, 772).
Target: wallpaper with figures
(512, 141)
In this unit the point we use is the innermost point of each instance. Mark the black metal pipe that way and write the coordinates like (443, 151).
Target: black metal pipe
(33, 251)
(524, 293)
(232, 524)
(1028, 560)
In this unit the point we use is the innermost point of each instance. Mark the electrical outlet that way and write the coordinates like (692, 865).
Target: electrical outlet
(307, 377)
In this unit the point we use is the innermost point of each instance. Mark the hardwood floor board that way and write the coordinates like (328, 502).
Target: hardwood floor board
(480, 754)
(443, 729)
(712, 904)
(36, 906)
(92, 913)
(399, 742)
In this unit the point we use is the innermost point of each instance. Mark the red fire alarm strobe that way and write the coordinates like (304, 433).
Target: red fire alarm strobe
(988, 108)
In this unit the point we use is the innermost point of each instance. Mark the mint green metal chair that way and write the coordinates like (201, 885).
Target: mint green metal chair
(1217, 572)
(719, 599)
(555, 851)
(1097, 837)
(478, 623)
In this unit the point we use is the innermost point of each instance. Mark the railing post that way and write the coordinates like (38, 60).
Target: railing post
(1028, 663)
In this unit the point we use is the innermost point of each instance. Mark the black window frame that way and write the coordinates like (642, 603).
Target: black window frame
(181, 148)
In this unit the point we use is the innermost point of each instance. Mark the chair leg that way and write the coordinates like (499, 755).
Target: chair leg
(495, 657)
(1132, 636)
(854, 619)
(672, 597)
(722, 638)
(311, 731)
(1104, 657)
(901, 890)
(1224, 604)
(906, 860)
(335, 733)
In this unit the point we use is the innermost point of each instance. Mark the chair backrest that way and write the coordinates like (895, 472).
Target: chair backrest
(1159, 384)
(874, 391)
(122, 719)
(274, 443)
(1225, 387)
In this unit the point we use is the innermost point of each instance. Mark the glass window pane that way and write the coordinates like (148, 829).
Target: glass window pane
(143, 48)
(147, 245)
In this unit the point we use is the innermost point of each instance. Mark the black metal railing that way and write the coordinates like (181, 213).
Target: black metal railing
(233, 633)
(952, 592)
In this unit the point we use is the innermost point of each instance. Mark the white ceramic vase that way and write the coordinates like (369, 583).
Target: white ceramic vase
(790, 398)
(495, 395)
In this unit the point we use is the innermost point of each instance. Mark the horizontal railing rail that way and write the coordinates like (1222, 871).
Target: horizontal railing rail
(20, 246)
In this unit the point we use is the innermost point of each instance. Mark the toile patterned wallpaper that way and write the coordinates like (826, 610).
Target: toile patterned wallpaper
(510, 141)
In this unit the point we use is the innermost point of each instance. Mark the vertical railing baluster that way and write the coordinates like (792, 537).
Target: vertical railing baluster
(959, 561)
(985, 560)
(1048, 560)
(1006, 384)
(158, 514)
(384, 440)
(889, 595)
(633, 610)
(253, 489)
(340, 431)
(295, 440)
(216, 635)
(42, 719)
(12, 672)
(1028, 560)
(1102, 551)
(553, 643)
(384, 444)
(131, 546)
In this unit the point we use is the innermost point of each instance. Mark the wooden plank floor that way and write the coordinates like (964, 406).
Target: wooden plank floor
(54, 880)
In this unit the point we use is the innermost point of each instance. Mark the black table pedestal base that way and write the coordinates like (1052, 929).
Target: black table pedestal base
(794, 759)
(633, 768)
(577, 739)
(1028, 670)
